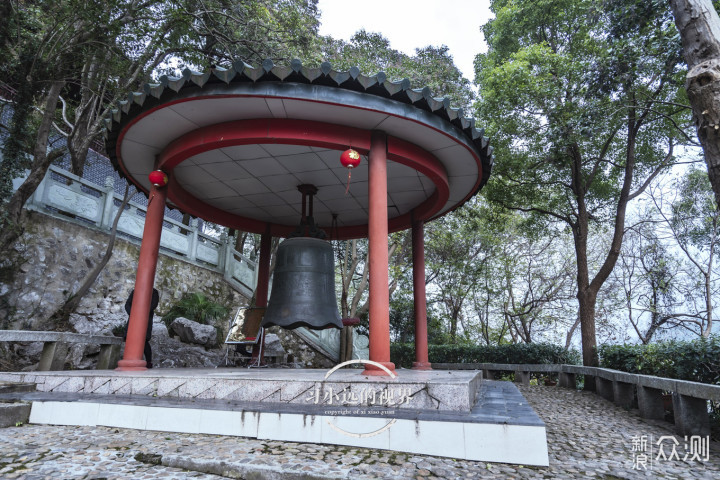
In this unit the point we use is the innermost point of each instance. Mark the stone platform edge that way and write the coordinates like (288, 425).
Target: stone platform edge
(489, 442)
(454, 394)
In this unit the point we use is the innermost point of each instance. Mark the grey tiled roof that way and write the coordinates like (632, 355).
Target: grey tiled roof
(378, 85)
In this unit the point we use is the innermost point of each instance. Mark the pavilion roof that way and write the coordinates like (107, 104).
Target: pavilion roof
(327, 86)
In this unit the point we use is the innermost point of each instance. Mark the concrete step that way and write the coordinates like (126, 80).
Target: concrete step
(12, 414)
(14, 411)
(16, 387)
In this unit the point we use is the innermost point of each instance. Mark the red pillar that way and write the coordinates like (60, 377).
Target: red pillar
(379, 295)
(261, 291)
(421, 340)
(144, 280)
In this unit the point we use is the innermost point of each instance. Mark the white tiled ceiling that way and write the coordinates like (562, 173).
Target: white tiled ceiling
(268, 185)
(245, 152)
(264, 167)
(260, 181)
(226, 171)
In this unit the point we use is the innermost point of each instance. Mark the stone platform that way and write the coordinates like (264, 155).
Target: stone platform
(412, 390)
(444, 413)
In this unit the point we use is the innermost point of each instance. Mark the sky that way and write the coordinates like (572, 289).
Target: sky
(411, 25)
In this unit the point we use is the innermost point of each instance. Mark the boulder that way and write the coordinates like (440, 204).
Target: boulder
(193, 332)
(273, 347)
(159, 328)
(170, 353)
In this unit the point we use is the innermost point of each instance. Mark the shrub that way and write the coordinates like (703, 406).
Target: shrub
(197, 307)
(403, 354)
(119, 330)
(695, 360)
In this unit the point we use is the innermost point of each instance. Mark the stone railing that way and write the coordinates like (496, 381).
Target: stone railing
(69, 197)
(651, 395)
(56, 345)
(328, 342)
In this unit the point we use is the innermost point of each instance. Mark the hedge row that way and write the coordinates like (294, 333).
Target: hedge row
(694, 360)
(403, 354)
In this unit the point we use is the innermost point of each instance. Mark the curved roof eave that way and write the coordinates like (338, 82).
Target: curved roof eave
(378, 84)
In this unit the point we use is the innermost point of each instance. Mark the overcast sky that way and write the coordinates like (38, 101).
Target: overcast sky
(411, 25)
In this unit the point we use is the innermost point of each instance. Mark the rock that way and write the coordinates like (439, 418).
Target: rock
(273, 346)
(97, 322)
(159, 328)
(194, 332)
(82, 356)
(170, 353)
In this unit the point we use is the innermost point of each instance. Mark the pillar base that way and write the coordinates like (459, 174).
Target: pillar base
(422, 366)
(604, 388)
(130, 365)
(624, 394)
(567, 380)
(371, 369)
(651, 403)
(522, 378)
(691, 415)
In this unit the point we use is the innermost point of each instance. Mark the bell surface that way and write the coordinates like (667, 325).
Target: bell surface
(303, 287)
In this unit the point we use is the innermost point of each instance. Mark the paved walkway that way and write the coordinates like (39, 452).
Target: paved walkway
(588, 438)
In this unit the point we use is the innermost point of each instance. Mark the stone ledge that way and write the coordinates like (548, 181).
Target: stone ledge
(682, 387)
(63, 337)
(13, 413)
(431, 390)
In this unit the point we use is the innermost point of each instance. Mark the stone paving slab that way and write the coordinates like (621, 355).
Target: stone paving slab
(588, 437)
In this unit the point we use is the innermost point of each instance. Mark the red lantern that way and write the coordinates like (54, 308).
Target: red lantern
(349, 159)
(158, 178)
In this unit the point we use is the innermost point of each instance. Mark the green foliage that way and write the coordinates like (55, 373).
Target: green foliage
(431, 66)
(694, 216)
(403, 354)
(558, 86)
(119, 330)
(197, 307)
(582, 110)
(251, 30)
(695, 360)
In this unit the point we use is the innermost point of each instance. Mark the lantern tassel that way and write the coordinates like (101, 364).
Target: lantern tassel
(348, 182)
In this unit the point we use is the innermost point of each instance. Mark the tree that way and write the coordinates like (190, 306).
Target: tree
(431, 66)
(692, 218)
(89, 55)
(537, 281)
(699, 26)
(353, 269)
(584, 108)
(62, 314)
(650, 280)
(82, 57)
(458, 251)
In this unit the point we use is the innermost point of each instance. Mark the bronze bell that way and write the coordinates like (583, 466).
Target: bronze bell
(303, 287)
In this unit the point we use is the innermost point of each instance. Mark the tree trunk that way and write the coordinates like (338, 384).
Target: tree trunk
(12, 228)
(62, 314)
(708, 304)
(346, 346)
(586, 302)
(571, 332)
(699, 27)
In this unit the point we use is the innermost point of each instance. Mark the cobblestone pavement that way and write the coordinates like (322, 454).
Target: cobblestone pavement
(588, 438)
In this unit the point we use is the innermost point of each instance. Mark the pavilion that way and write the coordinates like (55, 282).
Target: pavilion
(235, 144)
